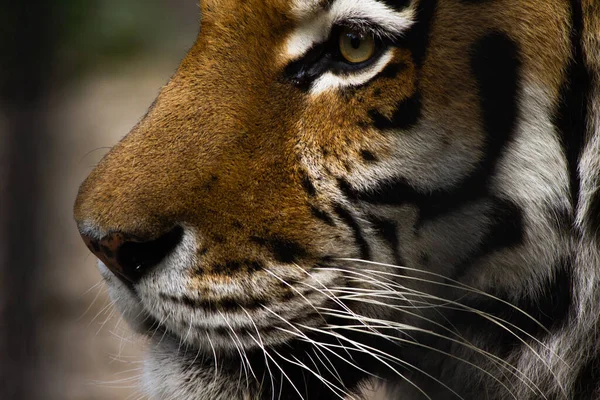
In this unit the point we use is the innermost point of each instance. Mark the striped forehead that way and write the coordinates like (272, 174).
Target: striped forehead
(316, 17)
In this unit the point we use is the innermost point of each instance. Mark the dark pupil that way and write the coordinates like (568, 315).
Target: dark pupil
(355, 41)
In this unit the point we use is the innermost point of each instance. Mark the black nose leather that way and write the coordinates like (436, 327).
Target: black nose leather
(130, 258)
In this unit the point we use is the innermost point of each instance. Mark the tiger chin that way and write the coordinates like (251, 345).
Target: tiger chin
(330, 194)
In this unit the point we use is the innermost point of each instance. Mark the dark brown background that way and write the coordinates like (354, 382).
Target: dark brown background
(75, 76)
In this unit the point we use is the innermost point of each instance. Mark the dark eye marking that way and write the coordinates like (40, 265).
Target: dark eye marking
(391, 71)
(406, 115)
(304, 71)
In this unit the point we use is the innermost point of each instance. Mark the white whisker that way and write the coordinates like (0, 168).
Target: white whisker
(372, 350)
(456, 285)
(379, 324)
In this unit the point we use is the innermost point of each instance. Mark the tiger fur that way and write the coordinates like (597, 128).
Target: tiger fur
(283, 224)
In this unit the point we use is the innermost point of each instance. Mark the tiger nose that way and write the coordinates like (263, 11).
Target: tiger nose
(130, 257)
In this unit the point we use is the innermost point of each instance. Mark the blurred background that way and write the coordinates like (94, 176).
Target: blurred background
(75, 76)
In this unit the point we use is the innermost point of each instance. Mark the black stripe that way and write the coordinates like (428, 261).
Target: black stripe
(417, 38)
(587, 382)
(322, 215)
(348, 219)
(223, 304)
(388, 231)
(550, 306)
(367, 156)
(307, 184)
(283, 250)
(392, 70)
(496, 66)
(326, 4)
(405, 116)
(235, 266)
(505, 230)
(506, 218)
(572, 113)
(431, 205)
(388, 193)
(396, 5)
(593, 212)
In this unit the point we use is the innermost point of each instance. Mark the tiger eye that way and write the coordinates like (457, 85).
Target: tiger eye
(356, 47)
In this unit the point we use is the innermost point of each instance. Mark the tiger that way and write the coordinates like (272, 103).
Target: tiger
(329, 195)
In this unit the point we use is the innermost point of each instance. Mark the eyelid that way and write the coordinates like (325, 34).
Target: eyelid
(364, 26)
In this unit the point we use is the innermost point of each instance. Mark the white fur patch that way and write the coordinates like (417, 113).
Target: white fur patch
(330, 81)
(306, 35)
(304, 8)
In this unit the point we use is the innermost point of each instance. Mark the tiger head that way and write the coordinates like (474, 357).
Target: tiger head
(332, 176)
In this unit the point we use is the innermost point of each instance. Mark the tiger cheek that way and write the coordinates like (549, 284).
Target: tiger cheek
(339, 124)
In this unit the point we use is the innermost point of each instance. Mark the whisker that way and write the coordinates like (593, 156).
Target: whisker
(329, 295)
(295, 290)
(111, 314)
(262, 346)
(492, 318)
(457, 285)
(297, 332)
(163, 335)
(98, 292)
(490, 356)
(243, 356)
(333, 372)
(282, 372)
(327, 383)
(401, 327)
(304, 298)
(185, 338)
(371, 350)
(216, 359)
(103, 310)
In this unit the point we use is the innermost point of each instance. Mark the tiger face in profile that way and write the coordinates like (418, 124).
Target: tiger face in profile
(334, 192)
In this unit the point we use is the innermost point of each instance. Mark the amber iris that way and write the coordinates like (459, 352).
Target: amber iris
(356, 47)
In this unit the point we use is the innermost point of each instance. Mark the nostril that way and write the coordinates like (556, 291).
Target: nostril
(136, 258)
(130, 258)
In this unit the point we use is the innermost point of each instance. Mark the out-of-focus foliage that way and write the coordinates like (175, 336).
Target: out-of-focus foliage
(100, 32)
